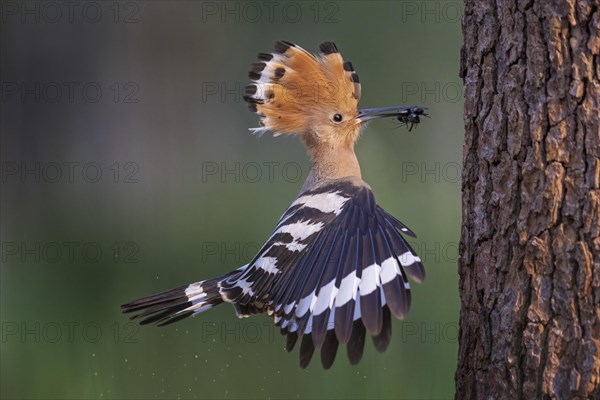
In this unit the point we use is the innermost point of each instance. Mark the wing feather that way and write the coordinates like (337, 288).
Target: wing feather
(335, 269)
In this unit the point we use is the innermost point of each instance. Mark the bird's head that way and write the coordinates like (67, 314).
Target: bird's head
(315, 96)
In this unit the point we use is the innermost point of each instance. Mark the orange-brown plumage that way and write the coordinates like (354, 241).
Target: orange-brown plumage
(295, 91)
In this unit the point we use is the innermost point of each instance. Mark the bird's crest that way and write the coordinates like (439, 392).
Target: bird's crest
(291, 87)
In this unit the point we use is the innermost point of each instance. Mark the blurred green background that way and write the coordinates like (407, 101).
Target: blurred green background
(128, 169)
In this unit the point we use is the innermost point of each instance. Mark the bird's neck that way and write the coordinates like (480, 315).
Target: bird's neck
(331, 163)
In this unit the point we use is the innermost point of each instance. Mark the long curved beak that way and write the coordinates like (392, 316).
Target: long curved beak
(403, 113)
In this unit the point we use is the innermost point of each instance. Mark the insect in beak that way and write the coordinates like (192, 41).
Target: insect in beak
(407, 115)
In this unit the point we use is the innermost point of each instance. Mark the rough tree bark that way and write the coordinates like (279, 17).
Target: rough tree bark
(530, 241)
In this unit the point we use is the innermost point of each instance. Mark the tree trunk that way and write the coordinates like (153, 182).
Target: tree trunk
(530, 241)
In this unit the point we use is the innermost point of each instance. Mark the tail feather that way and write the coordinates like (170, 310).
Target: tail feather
(176, 304)
(153, 300)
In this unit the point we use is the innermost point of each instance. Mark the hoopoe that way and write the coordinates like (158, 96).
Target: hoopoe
(336, 265)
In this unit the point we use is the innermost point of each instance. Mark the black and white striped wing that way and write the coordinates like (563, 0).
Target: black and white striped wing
(291, 240)
(335, 268)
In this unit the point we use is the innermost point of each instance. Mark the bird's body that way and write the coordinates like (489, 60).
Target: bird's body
(336, 266)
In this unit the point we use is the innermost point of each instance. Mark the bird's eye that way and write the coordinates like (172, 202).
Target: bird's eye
(337, 118)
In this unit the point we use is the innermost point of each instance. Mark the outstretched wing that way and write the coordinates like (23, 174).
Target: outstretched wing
(335, 268)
